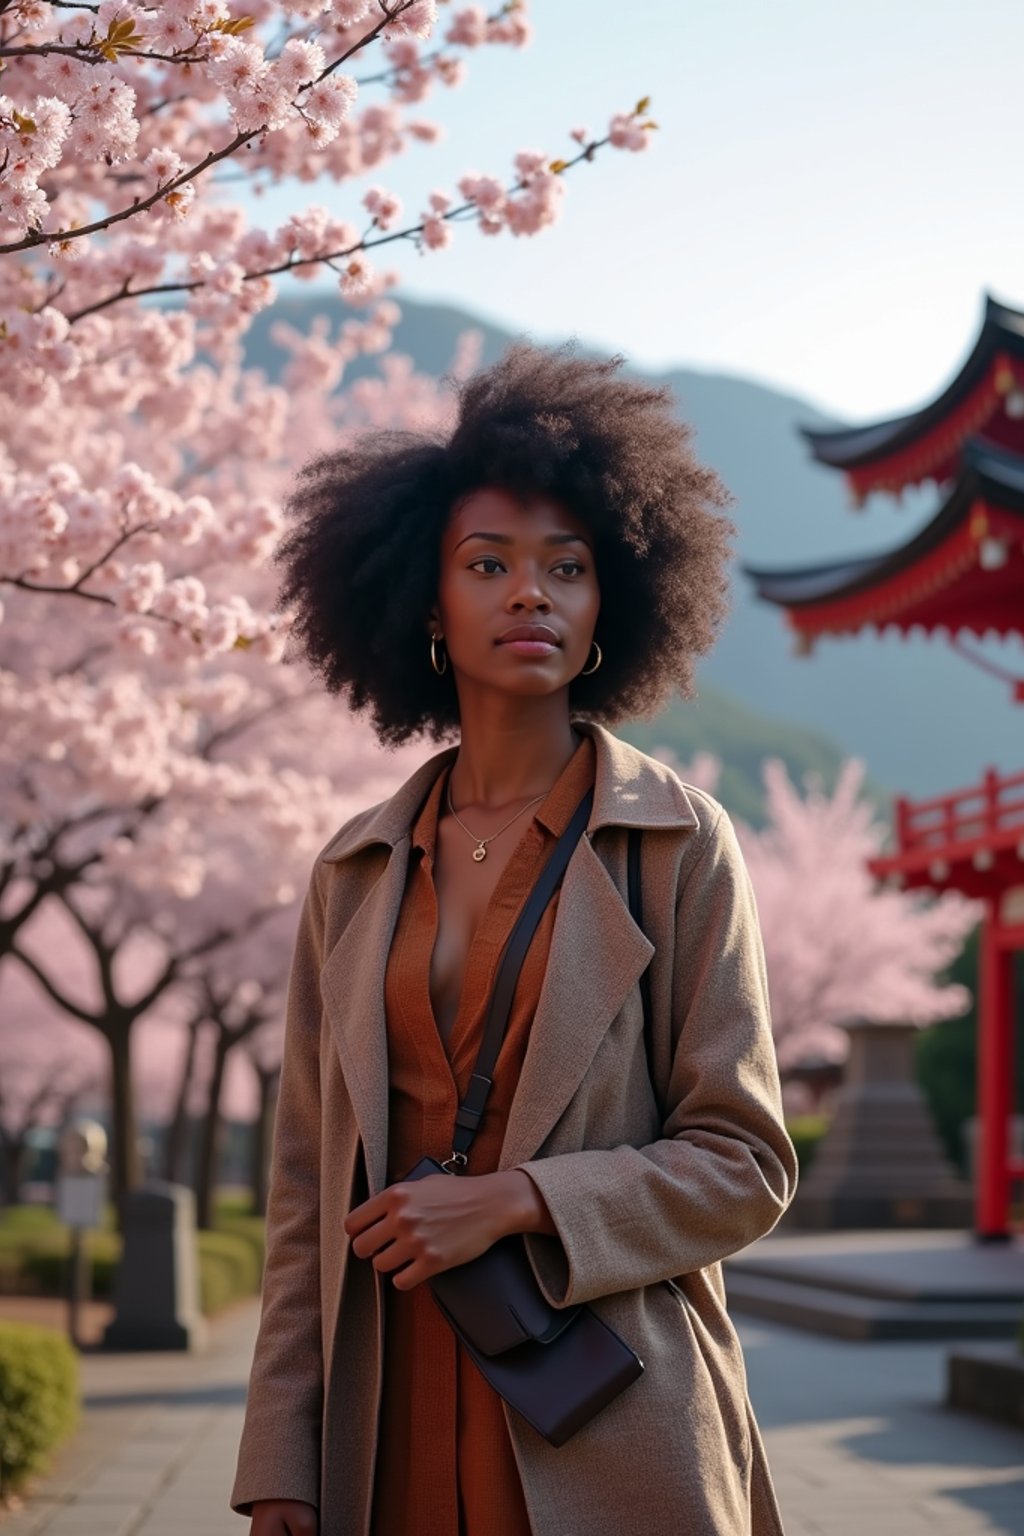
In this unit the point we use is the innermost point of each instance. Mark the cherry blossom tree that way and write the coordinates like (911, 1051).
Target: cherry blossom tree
(839, 945)
(163, 779)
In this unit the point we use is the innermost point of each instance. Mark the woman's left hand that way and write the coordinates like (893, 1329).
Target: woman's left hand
(418, 1229)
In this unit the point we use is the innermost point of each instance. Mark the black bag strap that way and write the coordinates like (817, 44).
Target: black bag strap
(635, 900)
(470, 1112)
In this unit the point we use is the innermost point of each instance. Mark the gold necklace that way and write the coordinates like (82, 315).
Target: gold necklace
(480, 851)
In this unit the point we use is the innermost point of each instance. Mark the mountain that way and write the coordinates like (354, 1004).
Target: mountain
(923, 719)
(741, 739)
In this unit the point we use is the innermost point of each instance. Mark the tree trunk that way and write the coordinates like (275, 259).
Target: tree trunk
(261, 1138)
(126, 1165)
(177, 1129)
(209, 1138)
(14, 1150)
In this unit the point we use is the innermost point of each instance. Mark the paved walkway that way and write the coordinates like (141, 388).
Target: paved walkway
(857, 1438)
(860, 1444)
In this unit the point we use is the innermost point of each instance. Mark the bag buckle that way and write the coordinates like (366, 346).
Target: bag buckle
(459, 1159)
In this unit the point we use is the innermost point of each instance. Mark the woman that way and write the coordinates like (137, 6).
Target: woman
(555, 565)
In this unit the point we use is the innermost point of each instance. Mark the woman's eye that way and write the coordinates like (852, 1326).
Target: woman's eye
(485, 560)
(575, 563)
(492, 560)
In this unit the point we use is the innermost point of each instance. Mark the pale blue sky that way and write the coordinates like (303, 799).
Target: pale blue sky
(833, 187)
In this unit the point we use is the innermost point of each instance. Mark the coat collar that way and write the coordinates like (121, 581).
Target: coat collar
(631, 789)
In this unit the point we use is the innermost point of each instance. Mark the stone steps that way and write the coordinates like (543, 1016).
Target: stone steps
(855, 1308)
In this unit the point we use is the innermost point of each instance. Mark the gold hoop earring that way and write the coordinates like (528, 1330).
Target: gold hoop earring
(588, 670)
(433, 656)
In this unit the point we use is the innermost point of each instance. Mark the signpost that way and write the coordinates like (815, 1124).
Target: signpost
(81, 1194)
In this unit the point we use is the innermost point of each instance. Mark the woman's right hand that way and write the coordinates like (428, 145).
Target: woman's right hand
(284, 1517)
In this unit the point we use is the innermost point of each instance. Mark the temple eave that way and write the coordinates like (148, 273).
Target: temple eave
(986, 395)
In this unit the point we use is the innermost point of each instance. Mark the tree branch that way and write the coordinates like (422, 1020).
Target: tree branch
(64, 1003)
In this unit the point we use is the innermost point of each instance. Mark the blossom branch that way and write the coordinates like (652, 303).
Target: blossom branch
(37, 237)
(458, 214)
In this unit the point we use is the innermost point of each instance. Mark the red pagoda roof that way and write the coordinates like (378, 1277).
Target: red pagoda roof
(986, 398)
(963, 571)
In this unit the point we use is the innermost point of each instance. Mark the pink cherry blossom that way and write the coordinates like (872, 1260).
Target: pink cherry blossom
(417, 18)
(528, 162)
(163, 164)
(838, 946)
(348, 12)
(436, 233)
(486, 192)
(468, 27)
(513, 28)
(357, 276)
(385, 208)
(299, 62)
(329, 102)
(626, 133)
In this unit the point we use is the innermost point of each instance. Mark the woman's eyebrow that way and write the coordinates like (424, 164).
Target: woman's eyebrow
(494, 538)
(507, 538)
(567, 538)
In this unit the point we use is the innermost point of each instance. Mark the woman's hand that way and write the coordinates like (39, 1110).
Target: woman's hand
(413, 1231)
(284, 1517)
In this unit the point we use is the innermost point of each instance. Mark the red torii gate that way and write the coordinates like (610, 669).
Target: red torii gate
(973, 841)
(963, 571)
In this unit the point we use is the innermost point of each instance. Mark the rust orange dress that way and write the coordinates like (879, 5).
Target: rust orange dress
(445, 1463)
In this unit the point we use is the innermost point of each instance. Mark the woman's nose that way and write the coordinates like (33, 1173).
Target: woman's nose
(529, 590)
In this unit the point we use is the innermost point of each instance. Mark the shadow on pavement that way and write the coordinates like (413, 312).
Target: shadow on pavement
(228, 1396)
(1002, 1505)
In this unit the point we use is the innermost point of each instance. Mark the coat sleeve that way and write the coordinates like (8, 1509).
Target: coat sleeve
(725, 1169)
(279, 1453)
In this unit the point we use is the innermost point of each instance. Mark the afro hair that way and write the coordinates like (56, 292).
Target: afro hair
(362, 560)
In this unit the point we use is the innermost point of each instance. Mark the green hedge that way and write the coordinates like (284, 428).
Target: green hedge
(805, 1132)
(28, 1218)
(229, 1267)
(251, 1230)
(45, 1265)
(34, 1258)
(38, 1399)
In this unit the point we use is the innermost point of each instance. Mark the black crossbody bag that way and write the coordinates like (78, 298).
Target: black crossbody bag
(557, 1366)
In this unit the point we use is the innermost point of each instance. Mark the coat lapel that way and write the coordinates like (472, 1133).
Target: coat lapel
(352, 983)
(597, 955)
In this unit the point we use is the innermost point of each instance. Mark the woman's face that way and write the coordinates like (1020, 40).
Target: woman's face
(504, 565)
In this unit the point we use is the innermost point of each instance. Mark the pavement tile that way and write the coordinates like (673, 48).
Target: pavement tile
(140, 1454)
(209, 1523)
(115, 1486)
(93, 1520)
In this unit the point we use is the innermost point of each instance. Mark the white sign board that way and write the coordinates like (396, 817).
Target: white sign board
(80, 1198)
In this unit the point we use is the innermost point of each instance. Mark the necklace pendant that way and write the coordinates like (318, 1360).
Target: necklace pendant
(480, 853)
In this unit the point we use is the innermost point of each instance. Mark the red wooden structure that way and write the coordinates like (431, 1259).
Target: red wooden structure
(963, 571)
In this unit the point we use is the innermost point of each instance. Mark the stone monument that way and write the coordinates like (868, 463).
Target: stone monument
(156, 1291)
(880, 1164)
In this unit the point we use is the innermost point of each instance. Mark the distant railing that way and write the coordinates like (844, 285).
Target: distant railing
(988, 815)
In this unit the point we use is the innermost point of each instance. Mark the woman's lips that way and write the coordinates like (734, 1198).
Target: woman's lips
(530, 647)
(530, 639)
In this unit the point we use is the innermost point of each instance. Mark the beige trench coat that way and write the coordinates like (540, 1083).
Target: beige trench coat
(645, 1210)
